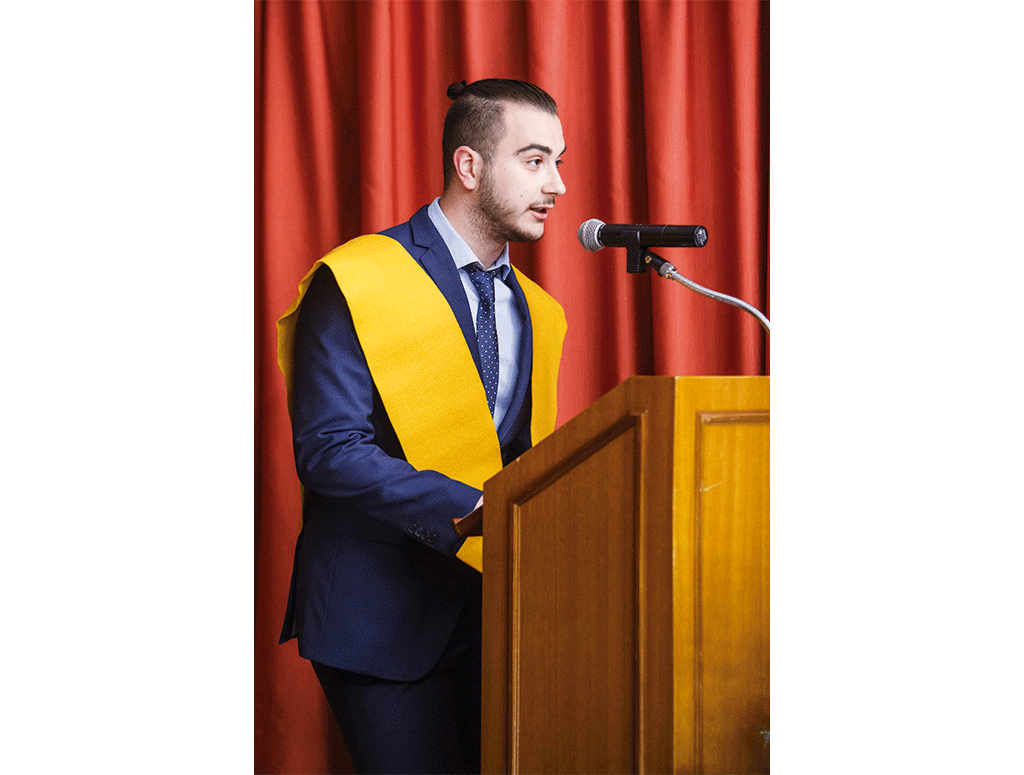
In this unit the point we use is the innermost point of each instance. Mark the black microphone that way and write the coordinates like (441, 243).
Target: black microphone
(594, 235)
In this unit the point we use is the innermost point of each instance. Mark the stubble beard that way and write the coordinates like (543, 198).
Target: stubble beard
(498, 221)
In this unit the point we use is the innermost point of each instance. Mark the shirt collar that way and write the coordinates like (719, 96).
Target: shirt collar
(462, 254)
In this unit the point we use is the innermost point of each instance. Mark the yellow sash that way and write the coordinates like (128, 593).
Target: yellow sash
(422, 366)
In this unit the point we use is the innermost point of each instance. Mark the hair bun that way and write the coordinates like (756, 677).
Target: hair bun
(456, 89)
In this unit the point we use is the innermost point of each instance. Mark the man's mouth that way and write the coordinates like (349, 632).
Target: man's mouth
(541, 211)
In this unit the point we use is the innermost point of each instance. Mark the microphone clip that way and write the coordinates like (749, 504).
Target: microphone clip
(636, 254)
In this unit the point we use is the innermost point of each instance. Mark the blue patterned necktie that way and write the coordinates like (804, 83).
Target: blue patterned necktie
(486, 330)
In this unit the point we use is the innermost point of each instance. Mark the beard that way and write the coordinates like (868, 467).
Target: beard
(497, 219)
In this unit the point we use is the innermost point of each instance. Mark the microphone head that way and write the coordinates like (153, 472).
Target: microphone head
(587, 234)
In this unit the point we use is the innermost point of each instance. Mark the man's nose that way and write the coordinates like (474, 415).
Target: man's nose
(555, 184)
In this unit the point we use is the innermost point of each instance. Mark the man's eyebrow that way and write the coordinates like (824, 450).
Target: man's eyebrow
(536, 147)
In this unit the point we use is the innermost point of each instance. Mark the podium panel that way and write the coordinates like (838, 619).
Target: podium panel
(721, 590)
(626, 587)
(573, 654)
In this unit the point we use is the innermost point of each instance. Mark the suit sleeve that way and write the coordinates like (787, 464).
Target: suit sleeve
(337, 453)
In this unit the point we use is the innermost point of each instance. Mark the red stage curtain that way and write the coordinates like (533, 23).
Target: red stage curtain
(665, 115)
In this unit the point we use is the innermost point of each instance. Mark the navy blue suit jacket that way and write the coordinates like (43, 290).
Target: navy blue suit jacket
(376, 587)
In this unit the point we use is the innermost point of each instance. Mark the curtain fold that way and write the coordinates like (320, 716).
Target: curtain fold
(664, 109)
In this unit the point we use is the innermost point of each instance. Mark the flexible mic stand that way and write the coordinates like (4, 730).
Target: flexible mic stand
(644, 257)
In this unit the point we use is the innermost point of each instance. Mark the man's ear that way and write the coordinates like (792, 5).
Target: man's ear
(469, 166)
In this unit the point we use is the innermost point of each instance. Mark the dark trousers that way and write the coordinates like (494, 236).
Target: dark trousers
(427, 726)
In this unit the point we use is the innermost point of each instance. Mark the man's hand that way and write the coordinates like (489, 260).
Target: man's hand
(473, 523)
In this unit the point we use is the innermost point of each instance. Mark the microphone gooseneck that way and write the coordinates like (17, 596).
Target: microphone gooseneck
(669, 272)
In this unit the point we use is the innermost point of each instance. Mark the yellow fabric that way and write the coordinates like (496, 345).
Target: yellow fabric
(422, 367)
(549, 329)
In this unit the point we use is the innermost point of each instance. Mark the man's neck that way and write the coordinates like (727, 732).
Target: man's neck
(466, 221)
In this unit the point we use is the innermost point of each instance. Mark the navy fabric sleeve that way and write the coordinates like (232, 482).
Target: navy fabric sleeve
(337, 450)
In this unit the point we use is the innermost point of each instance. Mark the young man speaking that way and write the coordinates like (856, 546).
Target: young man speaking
(418, 363)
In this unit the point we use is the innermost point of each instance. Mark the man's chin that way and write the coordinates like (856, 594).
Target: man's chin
(512, 230)
(522, 235)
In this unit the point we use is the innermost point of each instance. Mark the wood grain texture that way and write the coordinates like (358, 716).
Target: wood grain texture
(721, 578)
(584, 607)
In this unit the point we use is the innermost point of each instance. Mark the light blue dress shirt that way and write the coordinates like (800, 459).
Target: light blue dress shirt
(506, 317)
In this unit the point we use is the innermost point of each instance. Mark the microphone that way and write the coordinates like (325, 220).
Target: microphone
(595, 234)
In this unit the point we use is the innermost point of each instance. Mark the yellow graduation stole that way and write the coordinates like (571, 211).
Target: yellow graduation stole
(422, 366)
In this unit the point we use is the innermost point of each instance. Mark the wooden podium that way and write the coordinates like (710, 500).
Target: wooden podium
(626, 587)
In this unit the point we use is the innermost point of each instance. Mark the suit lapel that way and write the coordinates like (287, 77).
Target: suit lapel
(437, 261)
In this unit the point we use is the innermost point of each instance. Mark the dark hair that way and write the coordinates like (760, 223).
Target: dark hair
(475, 117)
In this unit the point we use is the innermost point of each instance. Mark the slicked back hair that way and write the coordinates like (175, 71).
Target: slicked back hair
(476, 115)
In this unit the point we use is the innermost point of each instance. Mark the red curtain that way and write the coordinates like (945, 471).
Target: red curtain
(664, 109)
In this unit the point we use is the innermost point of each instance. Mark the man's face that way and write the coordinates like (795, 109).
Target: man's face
(519, 185)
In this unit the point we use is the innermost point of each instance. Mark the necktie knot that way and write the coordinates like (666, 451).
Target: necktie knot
(483, 281)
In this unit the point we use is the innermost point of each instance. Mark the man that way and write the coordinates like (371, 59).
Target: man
(418, 363)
